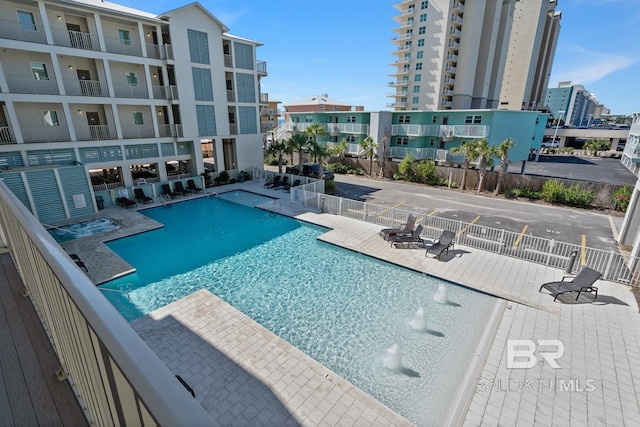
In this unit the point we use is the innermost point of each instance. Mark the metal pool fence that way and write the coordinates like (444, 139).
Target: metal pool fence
(570, 257)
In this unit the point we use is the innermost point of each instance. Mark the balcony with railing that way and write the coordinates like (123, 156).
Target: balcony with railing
(95, 132)
(85, 88)
(76, 39)
(270, 112)
(138, 131)
(450, 69)
(14, 30)
(402, 72)
(231, 96)
(164, 51)
(453, 45)
(349, 128)
(398, 93)
(38, 134)
(228, 61)
(261, 67)
(449, 80)
(165, 92)
(399, 104)
(233, 129)
(455, 33)
(413, 130)
(130, 91)
(452, 57)
(28, 84)
(456, 19)
(352, 149)
(401, 61)
(402, 37)
(123, 47)
(264, 98)
(458, 7)
(170, 130)
(401, 49)
(6, 135)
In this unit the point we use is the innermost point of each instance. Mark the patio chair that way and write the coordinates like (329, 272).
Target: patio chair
(166, 189)
(179, 188)
(139, 193)
(274, 182)
(406, 240)
(78, 262)
(125, 202)
(191, 185)
(583, 282)
(287, 188)
(283, 183)
(406, 230)
(441, 244)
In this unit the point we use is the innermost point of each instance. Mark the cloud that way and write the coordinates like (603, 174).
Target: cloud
(582, 66)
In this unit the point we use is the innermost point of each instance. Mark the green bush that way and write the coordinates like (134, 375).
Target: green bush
(554, 192)
(406, 170)
(272, 160)
(339, 168)
(525, 192)
(329, 185)
(425, 172)
(566, 150)
(622, 197)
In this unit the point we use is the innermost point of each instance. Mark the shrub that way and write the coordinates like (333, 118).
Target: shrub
(553, 191)
(405, 169)
(339, 168)
(329, 185)
(621, 198)
(272, 160)
(425, 172)
(525, 192)
(566, 150)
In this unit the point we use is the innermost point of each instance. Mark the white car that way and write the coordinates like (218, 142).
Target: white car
(549, 144)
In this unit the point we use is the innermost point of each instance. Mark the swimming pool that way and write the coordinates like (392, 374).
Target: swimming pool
(342, 308)
(82, 229)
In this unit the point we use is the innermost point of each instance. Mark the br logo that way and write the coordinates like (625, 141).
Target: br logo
(521, 354)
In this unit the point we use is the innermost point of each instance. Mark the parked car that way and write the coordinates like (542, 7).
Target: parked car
(312, 170)
(549, 144)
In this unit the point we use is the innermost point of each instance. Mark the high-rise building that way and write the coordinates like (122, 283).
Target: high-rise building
(450, 53)
(573, 104)
(96, 97)
(532, 46)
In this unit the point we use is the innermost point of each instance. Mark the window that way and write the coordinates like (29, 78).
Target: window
(50, 118)
(420, 42)
(245, 87)
(417, 77)
(473, 119)
(410, 21)
(422, 30)
(198, 46)
(402, 140)
(308, 119)
(138, 119)
(423, 17)
(416, 89)
(350, 139)
(132, 78)
(39, 71)
(407, 45)
(125, 37)
(468, 119)
(26, 20)
(243, 55)
(434, 119)
(416, 100)
(406, 67)
(248, 120)
(419, 66)
(404, 119)
(206, 117)
(424, 5)
(351, 119)
(420, 54)
(202, 86)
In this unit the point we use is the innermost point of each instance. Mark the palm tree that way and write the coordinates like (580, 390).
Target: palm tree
(470, 152)
(314, 130)
(369, 146)
(486, 154)
(298, 141)
(502, 151)
(340, 149)
(319, 151)
(279, 149)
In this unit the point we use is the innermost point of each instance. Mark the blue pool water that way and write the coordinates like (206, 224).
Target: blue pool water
(342, 308)
(82, 229)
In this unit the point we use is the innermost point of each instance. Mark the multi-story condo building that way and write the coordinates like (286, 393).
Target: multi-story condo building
(96, 97)
(426, 134)
(450, 53)
(631, 153)
(532, 46)
(572, 104)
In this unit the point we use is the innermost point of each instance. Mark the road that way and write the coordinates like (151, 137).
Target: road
(577, 226)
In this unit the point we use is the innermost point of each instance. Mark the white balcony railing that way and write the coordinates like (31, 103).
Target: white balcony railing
(116, 45)
(138, 131)
(14, 30)
(27, 84)
(6, 135)
(45, 134)
(127, 91)
(165, 92)
(95, 133)
(350, 128)
(75, 39)
(261, 67)
(86, 88)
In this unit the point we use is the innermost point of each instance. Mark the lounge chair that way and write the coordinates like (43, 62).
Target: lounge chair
(179, 188)
(78, 262)
(405, 240)
(287, 188)
(273, 183)
(191, 185)
(283, 183)
(406, 230)
(166, 189)
(441, 244)
(125, 202)
(583, 282)
(139, 193)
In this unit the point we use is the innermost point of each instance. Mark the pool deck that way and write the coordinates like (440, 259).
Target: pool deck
(597, 383)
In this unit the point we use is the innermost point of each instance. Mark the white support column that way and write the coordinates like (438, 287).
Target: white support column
(69, 120)
(45, 22)
(14, 123)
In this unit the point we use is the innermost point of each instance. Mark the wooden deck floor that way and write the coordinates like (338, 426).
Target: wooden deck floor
(30, 394)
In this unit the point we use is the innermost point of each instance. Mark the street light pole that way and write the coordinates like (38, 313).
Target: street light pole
(555, 134)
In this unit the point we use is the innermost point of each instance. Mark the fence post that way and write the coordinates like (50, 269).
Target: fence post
(605, 274)
(364, 210)
(501, 242)
(340, 206)
(552, 244)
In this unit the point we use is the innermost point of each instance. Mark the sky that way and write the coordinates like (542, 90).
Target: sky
(344, 49)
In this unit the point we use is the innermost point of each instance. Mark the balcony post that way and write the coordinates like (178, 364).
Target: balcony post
(45, 24)
(69, 121)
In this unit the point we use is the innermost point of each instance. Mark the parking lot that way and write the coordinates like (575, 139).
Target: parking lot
(578, 226)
